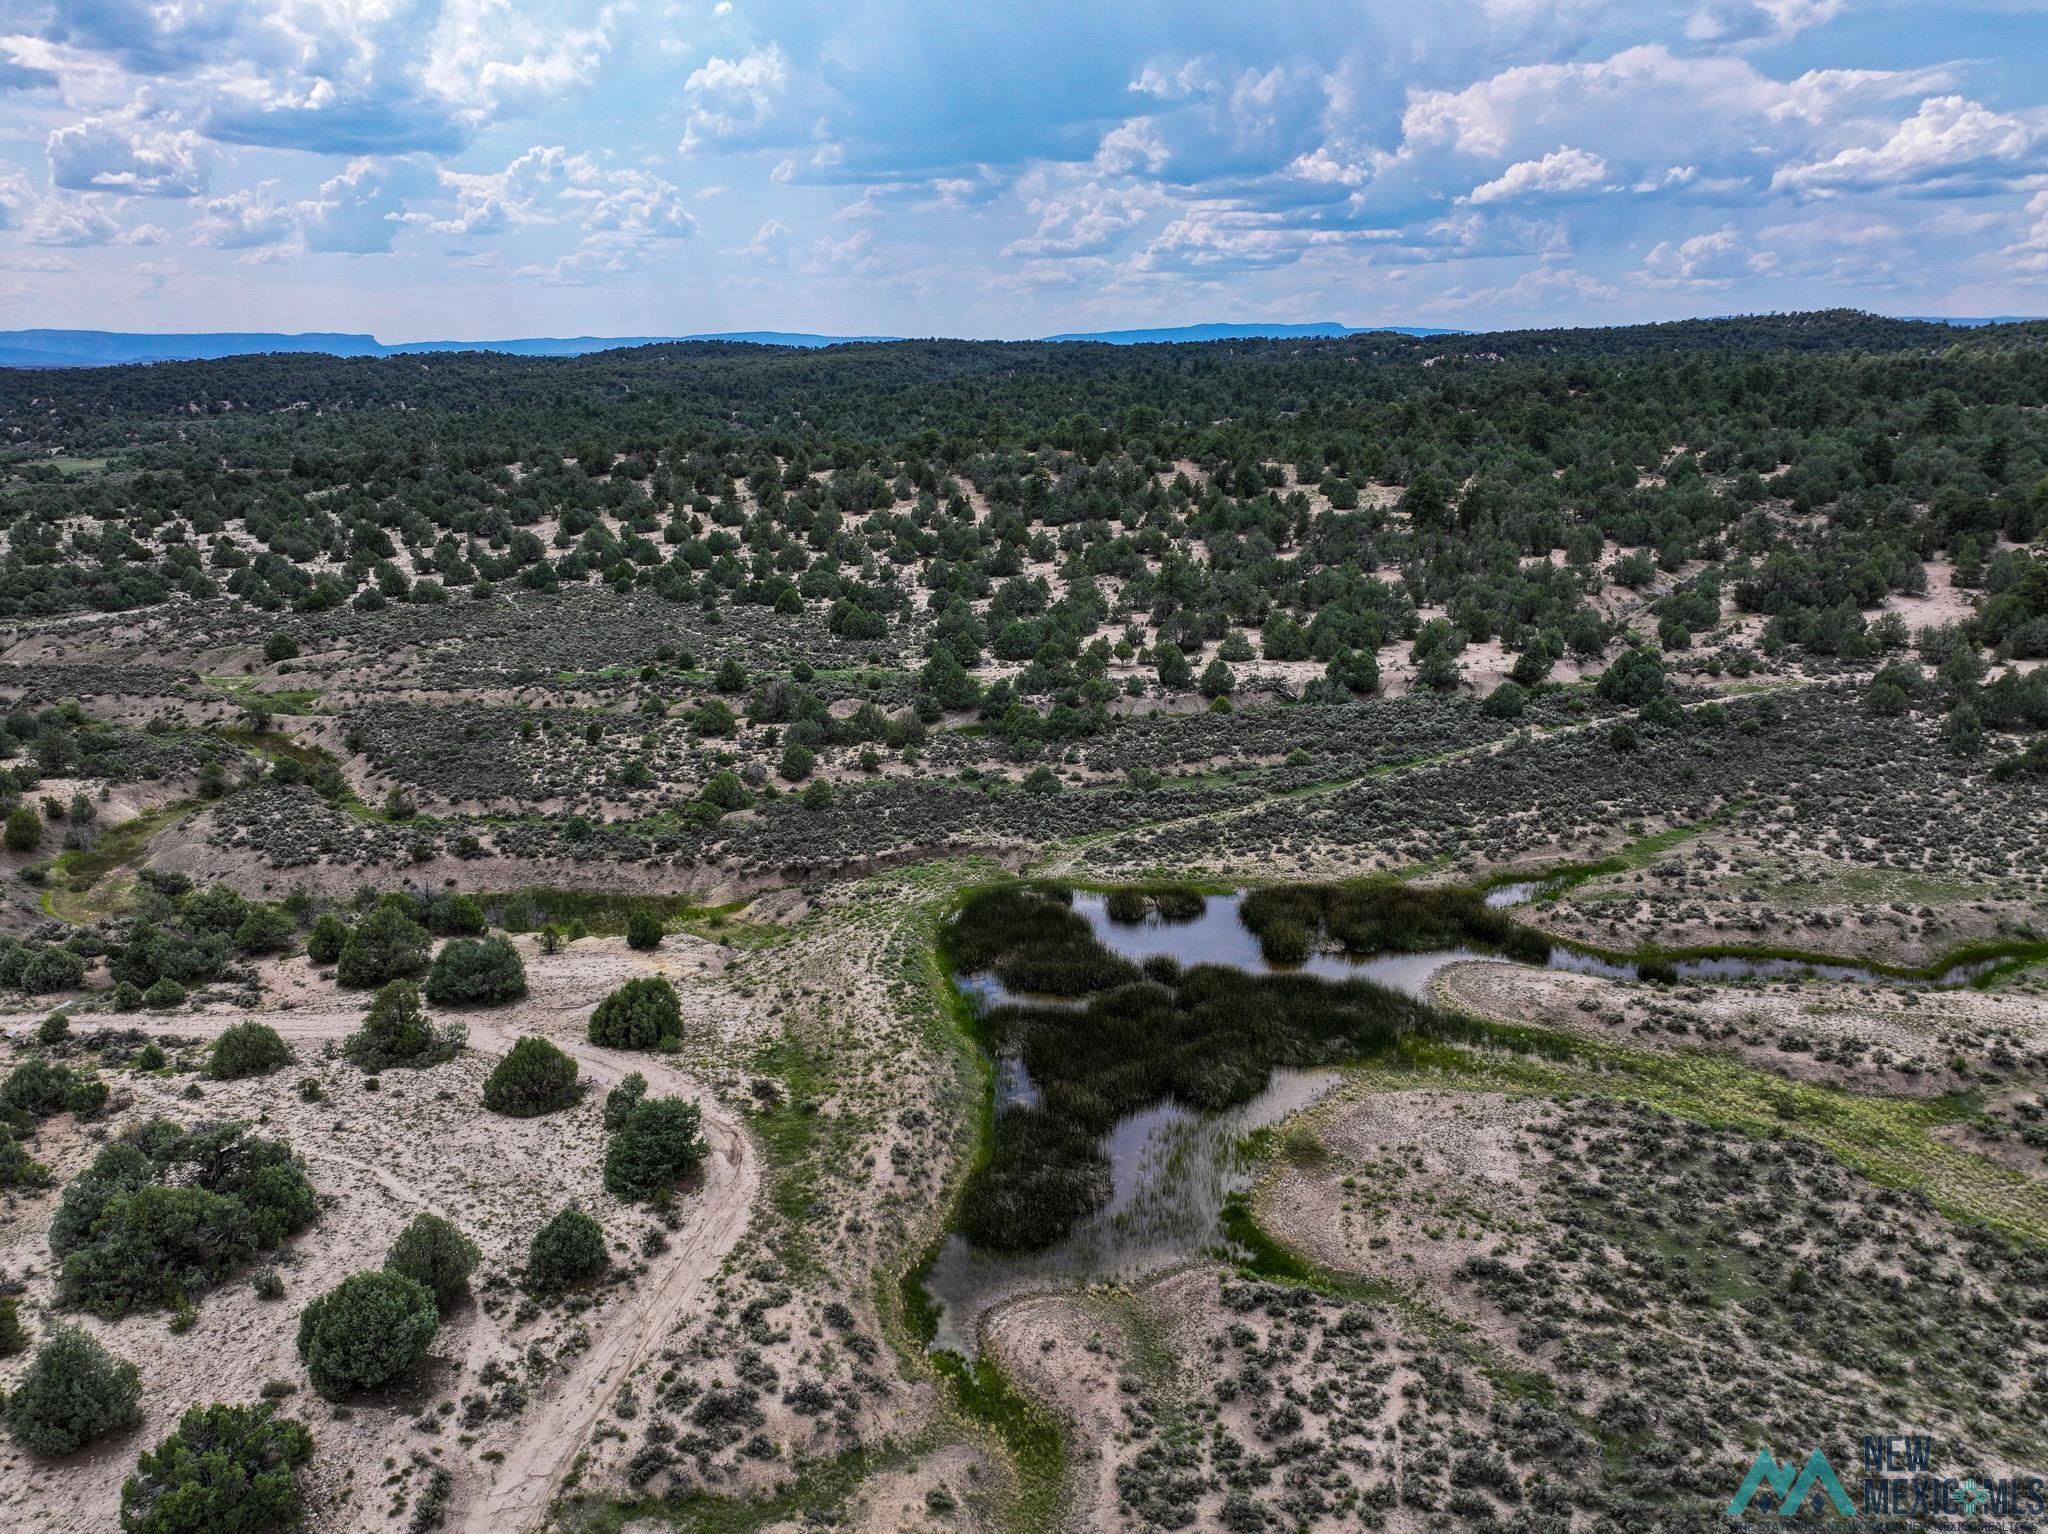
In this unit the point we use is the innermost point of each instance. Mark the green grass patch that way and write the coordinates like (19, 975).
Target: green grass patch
(723, 924)
(1259, 1254)
(795, 1143)
(957, 1025)
(244, 693)
(600, 912)
(1890, 1140)
(75, 891)
(1033, 1436)
(814, 1497)
(916, 1308)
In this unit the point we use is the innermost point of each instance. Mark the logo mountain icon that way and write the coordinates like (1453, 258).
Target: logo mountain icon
(1790, 1490)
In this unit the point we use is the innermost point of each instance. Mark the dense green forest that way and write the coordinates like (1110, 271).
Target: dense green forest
(1307, 497)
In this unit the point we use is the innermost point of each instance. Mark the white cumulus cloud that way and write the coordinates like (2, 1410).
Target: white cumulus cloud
(733, 101)
(1949, 136)
(104, 154)
(1561, 171)
(1710, 260)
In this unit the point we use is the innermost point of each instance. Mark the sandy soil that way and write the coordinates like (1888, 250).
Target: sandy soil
(1900, 1041)
(1740, 888)
(1414, 1183)
(1069, 1354)
(422, 1142)
(1945, 601)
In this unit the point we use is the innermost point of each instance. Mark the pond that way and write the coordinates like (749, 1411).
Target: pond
(1219, 936)
(1173, 1169)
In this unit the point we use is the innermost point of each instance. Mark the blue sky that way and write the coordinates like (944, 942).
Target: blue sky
(474, 168)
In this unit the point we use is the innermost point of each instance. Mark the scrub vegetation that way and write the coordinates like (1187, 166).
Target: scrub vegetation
(719, 937)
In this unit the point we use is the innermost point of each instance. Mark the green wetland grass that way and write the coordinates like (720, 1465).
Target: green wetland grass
(1031, 939)
(1103, 1037)
(1895, 1141)
(1207, 1037)
(1099, 1039)
(1293, 920)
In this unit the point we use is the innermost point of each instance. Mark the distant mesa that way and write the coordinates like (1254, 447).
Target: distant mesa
(108, 348)
(1327, 329)
(1969, 321)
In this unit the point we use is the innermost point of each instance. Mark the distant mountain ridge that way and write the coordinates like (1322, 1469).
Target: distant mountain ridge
(105, 348)
(1971, 321)
(1326, 329)
(577, 346)
(109, 348)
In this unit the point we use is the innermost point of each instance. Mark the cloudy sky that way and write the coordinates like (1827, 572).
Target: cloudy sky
(474, 168)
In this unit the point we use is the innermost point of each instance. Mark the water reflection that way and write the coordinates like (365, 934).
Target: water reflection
(1014, 1086)
(1171, 1168)
(1219, 936)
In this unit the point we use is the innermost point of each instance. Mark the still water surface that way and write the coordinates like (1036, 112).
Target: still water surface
(1171, 1168)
